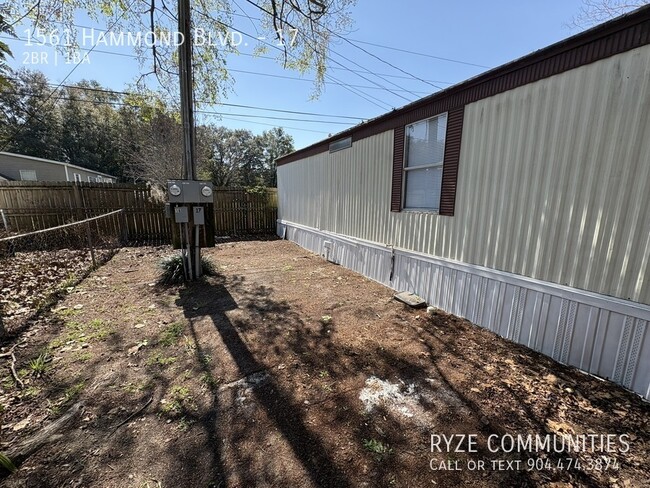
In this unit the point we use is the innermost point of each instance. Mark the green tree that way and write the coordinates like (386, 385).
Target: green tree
(275, 143)
(240, 158)
(233, 157)
(304, 27)
(5, 71)
(90, 127)
(30, 118)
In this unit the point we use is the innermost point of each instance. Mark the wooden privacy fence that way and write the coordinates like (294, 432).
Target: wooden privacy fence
(27, 206)
(238, 212)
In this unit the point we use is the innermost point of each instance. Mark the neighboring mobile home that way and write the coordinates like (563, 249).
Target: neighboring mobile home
(19, 167)
(519, 199)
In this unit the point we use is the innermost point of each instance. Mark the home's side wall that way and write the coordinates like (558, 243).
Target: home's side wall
(11, 166)
(552, 218)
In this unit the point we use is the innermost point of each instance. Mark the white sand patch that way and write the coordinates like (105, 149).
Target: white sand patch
(398, 397)
(424, 404)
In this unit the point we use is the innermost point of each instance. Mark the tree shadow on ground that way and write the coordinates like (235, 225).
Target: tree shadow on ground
(278, 403)
(263, 334)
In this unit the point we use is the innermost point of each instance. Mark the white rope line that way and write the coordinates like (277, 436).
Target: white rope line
(72, 224)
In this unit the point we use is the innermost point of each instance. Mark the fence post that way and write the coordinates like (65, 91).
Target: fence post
(79, 202)
(90, 244)
(125, 228)
(4, 220)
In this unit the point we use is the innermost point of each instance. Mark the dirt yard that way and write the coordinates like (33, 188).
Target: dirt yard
(288, 371)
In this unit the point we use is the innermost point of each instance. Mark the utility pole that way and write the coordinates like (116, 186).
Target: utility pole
(191, 202)
(187, 90)
(192, 261)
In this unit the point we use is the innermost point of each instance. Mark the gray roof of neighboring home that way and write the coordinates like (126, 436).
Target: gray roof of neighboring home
(51, 161)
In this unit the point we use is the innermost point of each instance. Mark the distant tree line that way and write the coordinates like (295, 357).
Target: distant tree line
(134, 136)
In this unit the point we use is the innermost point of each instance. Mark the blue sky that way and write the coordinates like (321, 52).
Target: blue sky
(477, 35)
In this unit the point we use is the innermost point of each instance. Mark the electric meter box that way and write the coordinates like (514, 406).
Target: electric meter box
(199, 216)
(181, 215)
(189, 191)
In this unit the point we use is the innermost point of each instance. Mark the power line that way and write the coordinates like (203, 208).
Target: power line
(209, 112)
(451, 60)
(420, 54)
(295, 78)
(340, 55)
(355, 91)
(366, 87)
(273, 125)
(252, 107)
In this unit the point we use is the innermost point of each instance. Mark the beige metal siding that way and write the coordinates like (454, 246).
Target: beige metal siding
(553, 184)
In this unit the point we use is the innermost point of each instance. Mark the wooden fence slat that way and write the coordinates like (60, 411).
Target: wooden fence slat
(31, 206)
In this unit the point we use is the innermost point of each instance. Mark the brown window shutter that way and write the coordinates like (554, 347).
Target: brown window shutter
(398, 166)
(452, 156)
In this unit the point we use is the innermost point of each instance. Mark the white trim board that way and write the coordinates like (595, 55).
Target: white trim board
(602, 335)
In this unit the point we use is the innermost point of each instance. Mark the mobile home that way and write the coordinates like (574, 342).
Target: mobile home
(519, 199)
(20, 167)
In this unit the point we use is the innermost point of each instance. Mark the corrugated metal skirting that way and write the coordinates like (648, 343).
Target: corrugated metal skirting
(602, 335)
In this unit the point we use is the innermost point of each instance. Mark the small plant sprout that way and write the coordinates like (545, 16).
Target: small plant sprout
(39, 364)
(378, 448)
(171, 334)
(6, 463)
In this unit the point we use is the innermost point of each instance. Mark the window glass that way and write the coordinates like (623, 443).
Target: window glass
(424, 157)
(423, 188)
(28, 175)
(426, 141)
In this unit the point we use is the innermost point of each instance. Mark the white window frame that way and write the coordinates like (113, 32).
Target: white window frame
(31, 172)
(406, 169)
(77, 177)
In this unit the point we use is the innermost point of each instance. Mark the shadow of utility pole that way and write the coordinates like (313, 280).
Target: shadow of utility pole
(278, 404)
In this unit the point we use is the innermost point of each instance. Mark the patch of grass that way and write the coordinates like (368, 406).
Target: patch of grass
(172, 272)
(184, 424)
(7, 383)
(137, 387)
(69, 282)
(179, 399)
(99, 329)
(7, 464)
(158, 359)
(324, 374)
(67, 312)
(79, 332)
(378, 448)
(83, 357)
(171, 334)
(72, 392)
(53, 409)
(30, 392)
(205, 359)
(39, 365)
(208, 380)
(188, 344)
